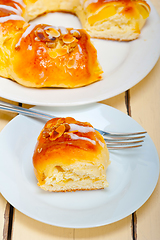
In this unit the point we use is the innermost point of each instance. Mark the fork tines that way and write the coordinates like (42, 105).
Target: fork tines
(123, 147)
(117, 141)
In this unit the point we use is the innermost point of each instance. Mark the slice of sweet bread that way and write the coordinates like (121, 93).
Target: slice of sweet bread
(69, 156)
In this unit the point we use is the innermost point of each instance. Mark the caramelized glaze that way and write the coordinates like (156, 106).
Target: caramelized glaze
(62, 136)
(65, 53)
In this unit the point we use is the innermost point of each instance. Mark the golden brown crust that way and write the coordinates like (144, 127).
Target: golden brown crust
(55, 59)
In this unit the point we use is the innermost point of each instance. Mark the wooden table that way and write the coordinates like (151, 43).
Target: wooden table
(142, 103)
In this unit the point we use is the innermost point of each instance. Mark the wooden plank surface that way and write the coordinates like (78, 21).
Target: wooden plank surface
(5, 117)
(3, 219)
(144, 108)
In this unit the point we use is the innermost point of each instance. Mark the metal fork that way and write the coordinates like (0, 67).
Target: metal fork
(114, 141)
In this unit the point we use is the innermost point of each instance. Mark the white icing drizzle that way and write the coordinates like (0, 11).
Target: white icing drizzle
(74, 127)
(25, 34)
(20, 2)
(9, 8)
(11, 17)
(18, 7)
(76, 137)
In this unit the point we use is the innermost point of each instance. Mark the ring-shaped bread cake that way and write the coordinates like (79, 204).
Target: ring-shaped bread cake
(47, 56)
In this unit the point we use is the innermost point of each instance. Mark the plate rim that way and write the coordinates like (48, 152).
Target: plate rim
(96, 225)
(79, 100)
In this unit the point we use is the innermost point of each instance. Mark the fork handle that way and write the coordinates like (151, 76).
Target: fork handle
(17, 109)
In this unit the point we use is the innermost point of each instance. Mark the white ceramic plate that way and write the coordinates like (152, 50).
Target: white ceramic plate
(124, 65)
(132, 174)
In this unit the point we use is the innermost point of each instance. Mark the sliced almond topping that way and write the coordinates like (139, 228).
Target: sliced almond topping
(72, 46)
(53, 54)
(57, 133)
(52, 33)
(40, 35)
(75, 33)
(61, 51)
(52, 44)
(61, 129)
(54, 136)
(70, 120)
(57, 52)
(60, 121)
(71, 63)
(68, 38)
(67, 127)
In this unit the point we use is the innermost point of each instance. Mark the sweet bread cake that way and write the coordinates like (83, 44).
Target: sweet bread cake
(47, 56)
(70, 155)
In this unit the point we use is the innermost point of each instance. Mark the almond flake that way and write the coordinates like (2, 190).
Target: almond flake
(68, 39)
(52, 33)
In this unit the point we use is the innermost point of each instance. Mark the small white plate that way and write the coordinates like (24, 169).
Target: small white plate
(132, 174)
(124, 65)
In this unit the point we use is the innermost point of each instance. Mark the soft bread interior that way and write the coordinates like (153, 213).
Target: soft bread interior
(75, 177)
